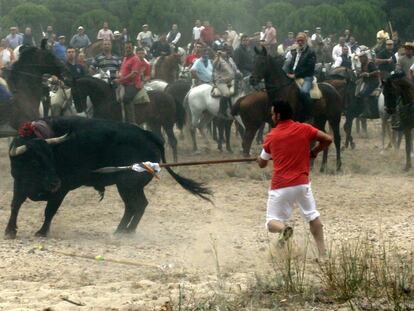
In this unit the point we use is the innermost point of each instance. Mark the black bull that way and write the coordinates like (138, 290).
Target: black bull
(46, 170)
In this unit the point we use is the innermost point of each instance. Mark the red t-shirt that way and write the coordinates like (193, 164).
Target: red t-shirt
(288, 144)
(190, 59)
(129, 64)
(207, 34)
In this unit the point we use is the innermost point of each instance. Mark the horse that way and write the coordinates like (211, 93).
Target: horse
(159, 113)
(25, 81)
(178, 90)
(399, 86)
(167, 68)
(279, 86)
(202, 108)
(94, 49)
(343, 80)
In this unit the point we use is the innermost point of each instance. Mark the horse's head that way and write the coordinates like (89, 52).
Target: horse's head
(392, 90)
(266, 67)
(37, 62)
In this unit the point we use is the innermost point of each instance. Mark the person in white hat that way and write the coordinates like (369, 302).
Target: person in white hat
(14, 38)
(145, 38)
(117, 44)
(80, 40)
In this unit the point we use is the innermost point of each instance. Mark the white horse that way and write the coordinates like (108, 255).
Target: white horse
(61, 103)
(202, 108)
(155, 85)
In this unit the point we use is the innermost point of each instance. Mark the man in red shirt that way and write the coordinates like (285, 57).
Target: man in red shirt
(145, 65)
(131, 84)
(191, 58)
(207, 34)
(288, 145)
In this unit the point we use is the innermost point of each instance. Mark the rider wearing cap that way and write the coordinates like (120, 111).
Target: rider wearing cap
(302, 65)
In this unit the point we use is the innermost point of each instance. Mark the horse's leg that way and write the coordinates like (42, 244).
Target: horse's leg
(248, 139)
(337, 141)
(320, 124)
(349, 140)
(408, 146)
(259, 137)
(215, 125)
(220, 125)
(227, 128)
(193, 138)
(172, 140)
(364, 127)
(358, 125)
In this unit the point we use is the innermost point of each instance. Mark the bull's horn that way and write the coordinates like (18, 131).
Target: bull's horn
(17, 151)
(57, 140)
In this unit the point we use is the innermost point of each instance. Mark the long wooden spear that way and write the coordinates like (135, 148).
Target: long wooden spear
(114, 169)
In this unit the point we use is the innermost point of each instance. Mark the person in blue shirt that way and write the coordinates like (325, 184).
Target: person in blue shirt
(202, 69)
(59, 48)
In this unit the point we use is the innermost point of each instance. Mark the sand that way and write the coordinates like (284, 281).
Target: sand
(181, 239)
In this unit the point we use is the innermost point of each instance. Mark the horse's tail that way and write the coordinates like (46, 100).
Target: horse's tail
(180, 114)
(195, 188)
(43, 44)
(235, 109)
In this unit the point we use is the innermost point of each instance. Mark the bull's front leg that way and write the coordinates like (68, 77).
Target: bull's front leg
(17, 201)
(52, 206)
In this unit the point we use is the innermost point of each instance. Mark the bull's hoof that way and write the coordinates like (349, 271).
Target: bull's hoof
(10, 234)
(41, 234)
(352, 145)
(229, 150)
(407, 168)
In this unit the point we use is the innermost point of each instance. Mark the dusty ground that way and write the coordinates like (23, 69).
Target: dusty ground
(175, 242)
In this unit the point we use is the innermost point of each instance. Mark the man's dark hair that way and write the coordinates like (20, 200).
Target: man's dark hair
(283, 108)
(129, 42)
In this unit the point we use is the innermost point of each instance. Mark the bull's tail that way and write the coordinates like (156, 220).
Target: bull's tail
(196, 188)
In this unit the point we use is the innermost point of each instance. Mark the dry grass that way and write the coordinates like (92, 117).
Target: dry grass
(361, 275)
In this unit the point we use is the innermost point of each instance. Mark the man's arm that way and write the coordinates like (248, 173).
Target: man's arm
(323, 141)
(263, 158)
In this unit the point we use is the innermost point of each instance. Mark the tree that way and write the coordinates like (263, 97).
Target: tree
(277, 13)
(29, 15)
(365, 20)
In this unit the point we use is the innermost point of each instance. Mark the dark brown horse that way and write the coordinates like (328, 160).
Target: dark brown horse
(167, 67)
(280, 87)
(343, 79)
(159, 113)
(399, 86)
(25, 82)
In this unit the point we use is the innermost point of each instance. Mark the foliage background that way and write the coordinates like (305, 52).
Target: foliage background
(364, 18)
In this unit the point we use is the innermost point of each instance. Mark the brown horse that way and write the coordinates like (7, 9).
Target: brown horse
(280, 87)
(159, 113)
(399, 86)
(167, 68)
(94, 49)
(25, 82)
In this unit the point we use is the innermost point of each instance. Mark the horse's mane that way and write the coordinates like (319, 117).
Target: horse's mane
(99, 86)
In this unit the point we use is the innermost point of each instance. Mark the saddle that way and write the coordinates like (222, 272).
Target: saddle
(315, 92)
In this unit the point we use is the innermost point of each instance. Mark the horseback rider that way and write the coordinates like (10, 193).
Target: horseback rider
(386, 59)
(161, 47)
(367, 83)
(224, 76)
(106, 61)
(337, 51)
(202, 69)
(134, 92)
(405, 62)
(344, 60)
(302, 65)
(243, 57)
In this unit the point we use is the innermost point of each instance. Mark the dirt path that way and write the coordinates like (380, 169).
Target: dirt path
(175, 241)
